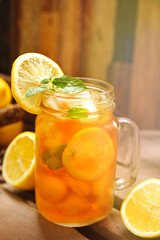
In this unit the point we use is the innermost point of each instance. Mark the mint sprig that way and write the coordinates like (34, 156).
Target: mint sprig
(65, 84)
(31, 92)
(46, 80)
(52, 157)
(70, 85)
(77, 112)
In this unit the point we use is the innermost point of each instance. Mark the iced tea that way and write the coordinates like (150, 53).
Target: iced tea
(76, 154)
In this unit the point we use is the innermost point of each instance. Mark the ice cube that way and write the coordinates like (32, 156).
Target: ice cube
(64, 102)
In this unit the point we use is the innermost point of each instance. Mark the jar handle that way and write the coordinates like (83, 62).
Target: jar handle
(132, 128)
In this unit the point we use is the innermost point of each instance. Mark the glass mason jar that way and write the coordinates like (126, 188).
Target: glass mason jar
(76, 154)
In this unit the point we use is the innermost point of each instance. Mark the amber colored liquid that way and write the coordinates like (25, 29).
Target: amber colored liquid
(60, 197)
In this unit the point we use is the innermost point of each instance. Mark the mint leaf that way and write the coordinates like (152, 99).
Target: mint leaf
(53, 157)
(68, 84)
(31, 92)
(64, 83)
(46, 80)
(78, 112)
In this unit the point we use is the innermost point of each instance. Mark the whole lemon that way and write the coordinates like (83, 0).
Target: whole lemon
(5, 93)
(10, 131)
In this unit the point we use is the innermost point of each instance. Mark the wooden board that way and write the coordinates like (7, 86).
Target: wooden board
(145, 82)
(113, 228)
(21, 219)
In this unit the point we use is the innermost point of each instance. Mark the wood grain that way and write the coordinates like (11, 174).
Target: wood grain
(119, 75)
(20, 217)
(14, 113)
(49, 41)
(113, 228)
(23, 221)
(70, 36)
(14, 31)
(4, 36)
(29, 26)
(11, 114)
(116, 41)
(98, 37)
(145, 83)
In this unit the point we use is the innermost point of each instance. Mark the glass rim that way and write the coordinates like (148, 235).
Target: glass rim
(105, 88)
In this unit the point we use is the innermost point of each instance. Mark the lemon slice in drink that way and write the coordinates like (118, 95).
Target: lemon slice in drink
(27, 72)
(89, 154)
(19, 161)
(140, 210)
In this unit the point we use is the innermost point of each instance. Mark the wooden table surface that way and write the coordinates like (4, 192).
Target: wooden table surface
(20, 219)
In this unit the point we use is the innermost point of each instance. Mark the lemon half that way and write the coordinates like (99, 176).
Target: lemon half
(18, 167)
(140, 210)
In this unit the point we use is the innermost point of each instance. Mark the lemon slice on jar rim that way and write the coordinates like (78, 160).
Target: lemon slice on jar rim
(27, 72)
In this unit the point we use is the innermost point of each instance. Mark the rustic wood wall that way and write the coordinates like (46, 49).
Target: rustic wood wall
(113, 40)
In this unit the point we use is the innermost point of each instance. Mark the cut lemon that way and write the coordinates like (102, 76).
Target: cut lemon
(27, 72)
(140, 210)
(89, 154)
(19, 161)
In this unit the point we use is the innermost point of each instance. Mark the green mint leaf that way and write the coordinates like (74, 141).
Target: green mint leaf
(53, 157)
(64, 83)
(78, 112)
(46, 80)
(68, 84)
(31, 92)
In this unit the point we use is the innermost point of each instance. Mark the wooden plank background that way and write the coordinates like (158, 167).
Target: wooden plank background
(113, 40)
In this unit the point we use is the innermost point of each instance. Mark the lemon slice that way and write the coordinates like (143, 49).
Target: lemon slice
(19, 161)
(140, 210)
(89, 154)
(27, 72)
